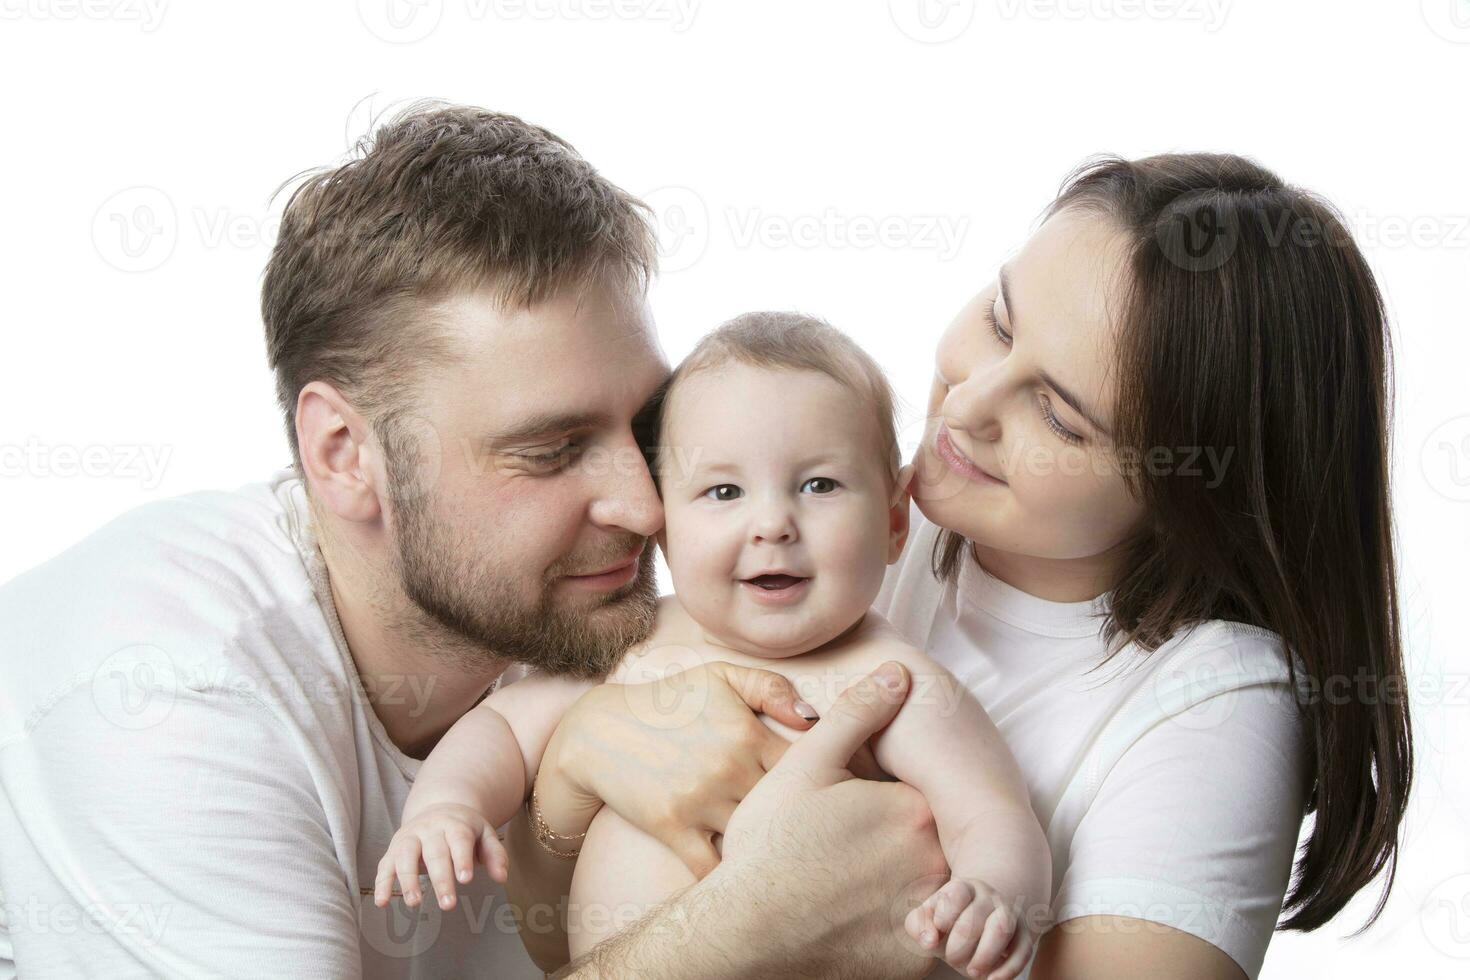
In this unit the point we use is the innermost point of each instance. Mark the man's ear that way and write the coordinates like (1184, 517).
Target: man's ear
(898, 513)
(339, 459)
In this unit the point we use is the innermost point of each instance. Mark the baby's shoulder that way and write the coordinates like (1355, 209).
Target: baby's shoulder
(673, 645)
(874, 642)
(877, 640)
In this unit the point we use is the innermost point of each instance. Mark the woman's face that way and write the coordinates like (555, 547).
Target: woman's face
(1017, 453)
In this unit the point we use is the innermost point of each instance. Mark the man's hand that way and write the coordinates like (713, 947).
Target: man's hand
(819, 870)
(833, 863)
(672, 756)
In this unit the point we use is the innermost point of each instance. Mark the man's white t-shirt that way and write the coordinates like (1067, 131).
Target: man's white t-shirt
(194, 781)
(1171, 784)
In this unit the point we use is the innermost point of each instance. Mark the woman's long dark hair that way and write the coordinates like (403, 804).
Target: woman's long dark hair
(1252, 324)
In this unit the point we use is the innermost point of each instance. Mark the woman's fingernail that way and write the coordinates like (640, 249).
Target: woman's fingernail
(806, 711)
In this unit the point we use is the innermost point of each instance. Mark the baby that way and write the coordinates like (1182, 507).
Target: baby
(778, 465)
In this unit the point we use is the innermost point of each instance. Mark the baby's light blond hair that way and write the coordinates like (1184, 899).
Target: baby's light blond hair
(785, 341)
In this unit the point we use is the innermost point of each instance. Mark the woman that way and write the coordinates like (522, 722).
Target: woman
(1155, 462)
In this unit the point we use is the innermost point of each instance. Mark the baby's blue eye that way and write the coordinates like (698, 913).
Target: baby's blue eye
(735, 493)
(826, 481)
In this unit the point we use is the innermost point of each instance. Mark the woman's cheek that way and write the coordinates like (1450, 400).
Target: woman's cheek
(1097, 514)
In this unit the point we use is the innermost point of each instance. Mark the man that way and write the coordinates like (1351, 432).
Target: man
(214, 707)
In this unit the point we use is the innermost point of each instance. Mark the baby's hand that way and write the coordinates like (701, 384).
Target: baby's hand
(984, 940)
(446, 836)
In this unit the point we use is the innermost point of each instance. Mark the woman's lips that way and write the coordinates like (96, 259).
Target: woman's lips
(945, 449)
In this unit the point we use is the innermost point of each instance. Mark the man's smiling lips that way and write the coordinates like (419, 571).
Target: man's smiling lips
(612, 576)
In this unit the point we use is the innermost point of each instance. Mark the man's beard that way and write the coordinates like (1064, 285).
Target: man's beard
(483, 609)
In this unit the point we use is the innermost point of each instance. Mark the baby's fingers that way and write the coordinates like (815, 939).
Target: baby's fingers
(441, 870)
(960, 949)
(1000, 926)
(497, 861)
(920, 925)
(1021, 949)
(948, 902)
(383, 883)
(462, 853)
(406, 864)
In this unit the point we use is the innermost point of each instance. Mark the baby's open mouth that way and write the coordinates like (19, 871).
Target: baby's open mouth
(771, 583)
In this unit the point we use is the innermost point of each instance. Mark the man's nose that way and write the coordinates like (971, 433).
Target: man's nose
(626, 497)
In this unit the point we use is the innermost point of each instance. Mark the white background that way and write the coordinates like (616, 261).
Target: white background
(143, 140)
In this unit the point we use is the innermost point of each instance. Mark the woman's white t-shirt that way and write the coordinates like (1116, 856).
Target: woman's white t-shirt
(1171, 784)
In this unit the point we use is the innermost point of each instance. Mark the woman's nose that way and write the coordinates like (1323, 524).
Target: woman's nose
(974, 405)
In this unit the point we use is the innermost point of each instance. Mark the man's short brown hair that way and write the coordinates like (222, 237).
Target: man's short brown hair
(442, 198)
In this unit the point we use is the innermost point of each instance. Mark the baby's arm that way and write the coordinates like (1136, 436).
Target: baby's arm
(944, 744)
(473, 782)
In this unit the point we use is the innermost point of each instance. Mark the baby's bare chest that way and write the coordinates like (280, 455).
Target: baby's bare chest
(819, 678)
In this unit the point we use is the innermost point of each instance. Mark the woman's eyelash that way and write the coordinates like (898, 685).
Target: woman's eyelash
(995, 327)
(1054, 423)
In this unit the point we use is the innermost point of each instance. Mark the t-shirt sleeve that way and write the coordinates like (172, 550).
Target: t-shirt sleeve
(175, 835)
(1195, 824)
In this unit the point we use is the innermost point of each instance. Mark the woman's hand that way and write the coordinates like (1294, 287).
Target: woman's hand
(673, 756)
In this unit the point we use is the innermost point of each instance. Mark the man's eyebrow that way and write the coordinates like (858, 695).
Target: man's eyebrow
(1062, 393)
(548, 423)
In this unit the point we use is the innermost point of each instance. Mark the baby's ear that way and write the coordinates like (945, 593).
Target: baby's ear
(905, 477)
(898, 514)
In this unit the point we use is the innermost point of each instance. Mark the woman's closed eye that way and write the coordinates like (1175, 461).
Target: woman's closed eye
(1043, 402)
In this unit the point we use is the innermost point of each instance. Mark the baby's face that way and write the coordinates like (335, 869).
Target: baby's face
(775, 471)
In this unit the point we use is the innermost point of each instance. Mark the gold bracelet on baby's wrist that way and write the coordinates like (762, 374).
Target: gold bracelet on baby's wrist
(545, 836)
